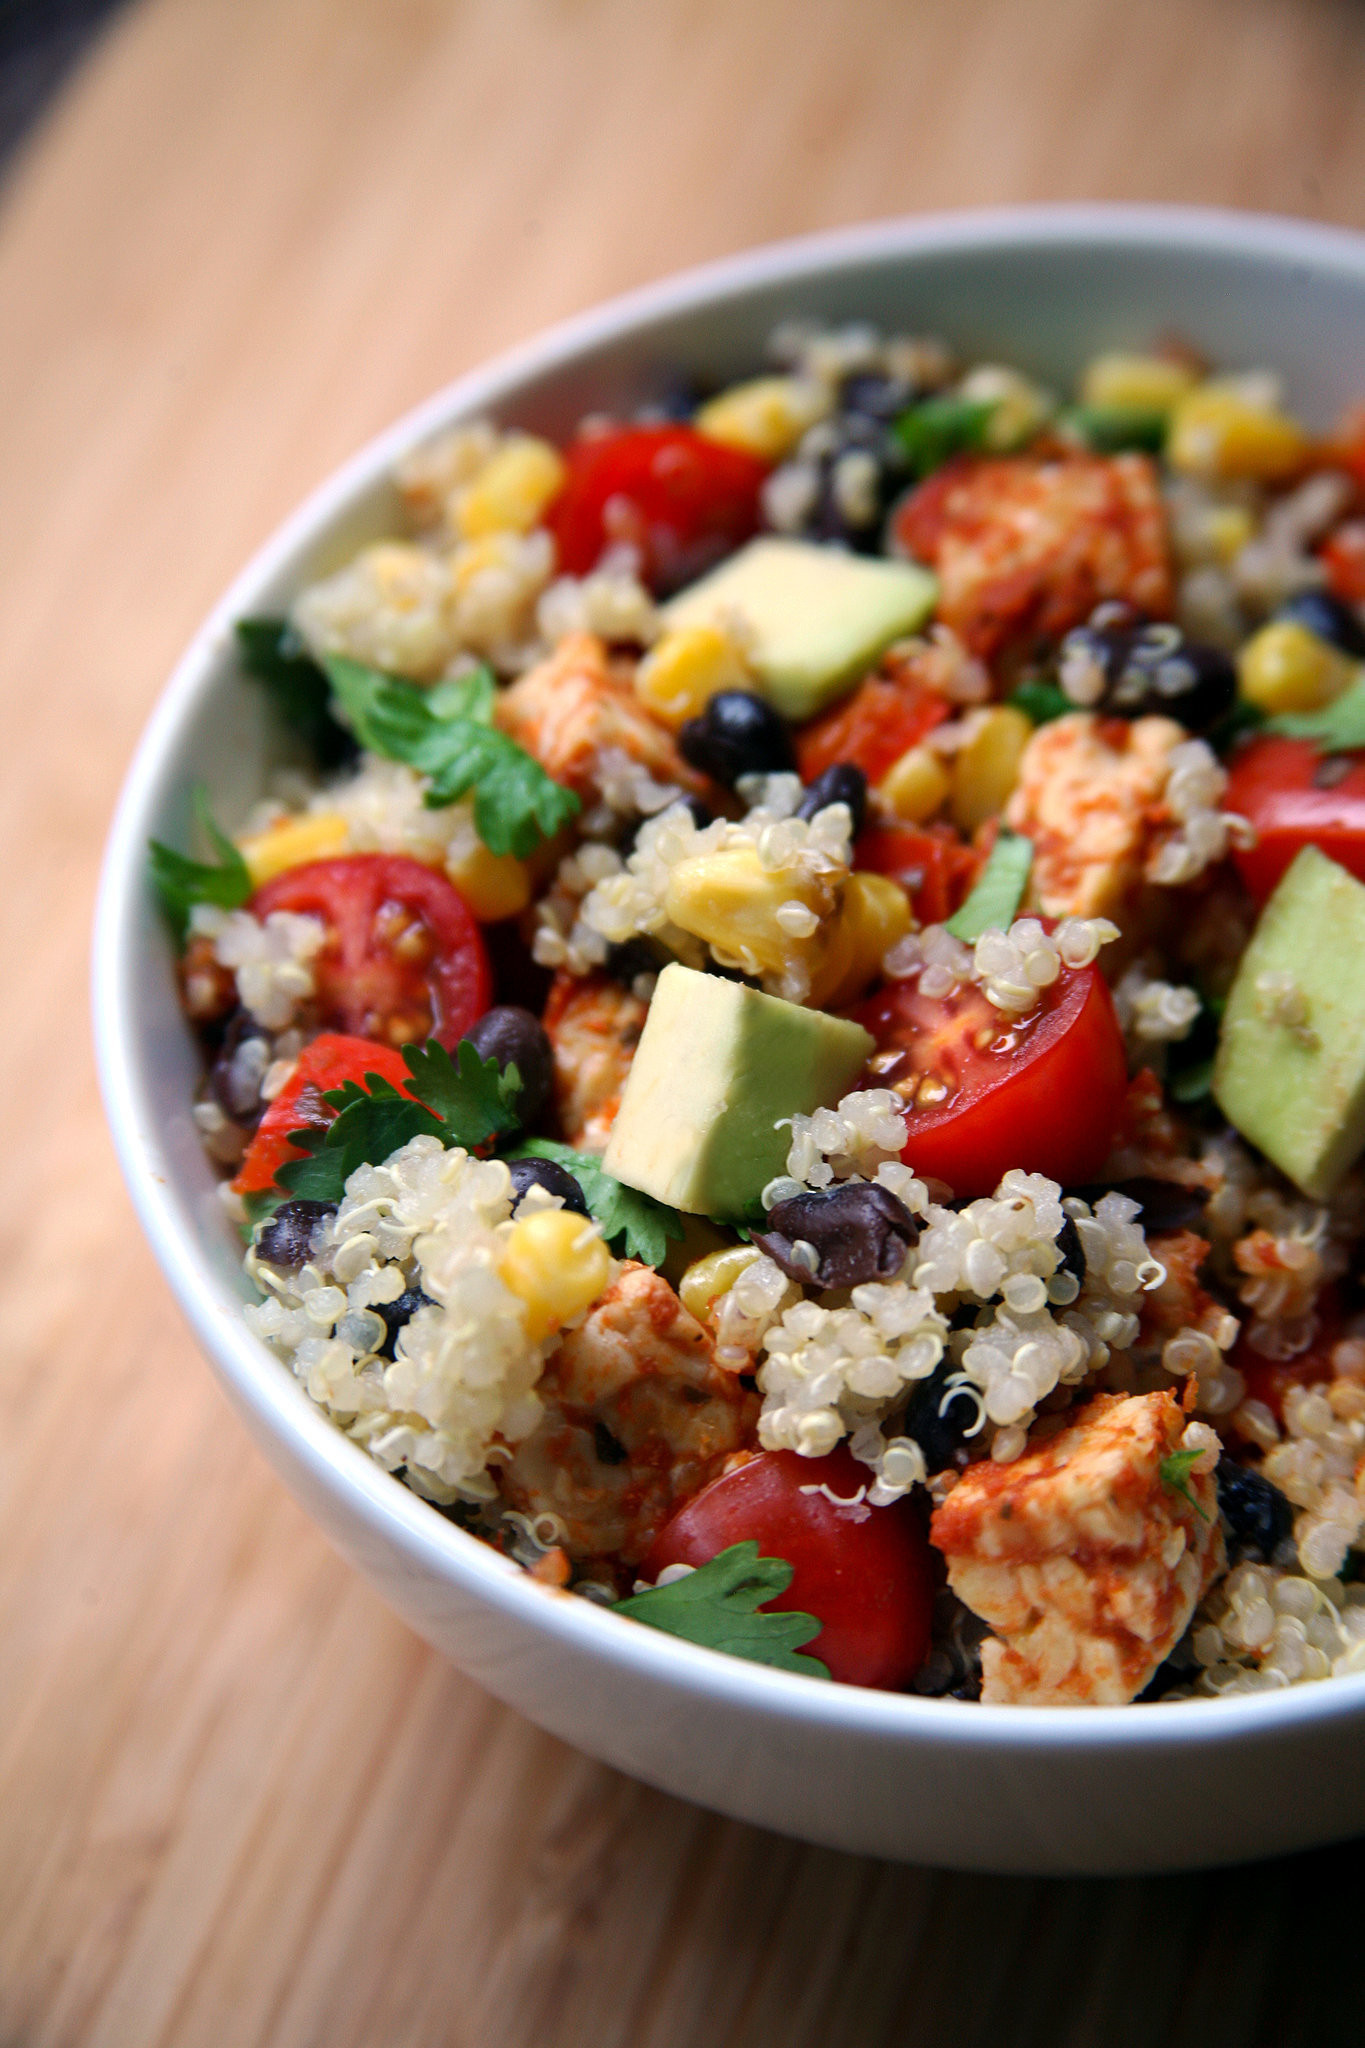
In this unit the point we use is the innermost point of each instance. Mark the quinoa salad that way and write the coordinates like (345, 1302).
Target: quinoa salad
(785, 1046)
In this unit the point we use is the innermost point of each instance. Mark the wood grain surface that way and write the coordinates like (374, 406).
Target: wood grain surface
(239, 1803)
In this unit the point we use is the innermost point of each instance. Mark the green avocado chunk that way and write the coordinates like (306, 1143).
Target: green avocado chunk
(816, 618)
(718, 1069)
(1290, 1071)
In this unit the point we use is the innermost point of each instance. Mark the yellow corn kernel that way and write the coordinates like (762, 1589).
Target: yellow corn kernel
(317, 835)
(1285, 667)
(1216, 430)
(707, 1279)
(494, 885)
(873, 916)
(915, 786)
(685, 669)
(511, 490)
(765, 417)
(986, 765)
(556, 1263)
(734, 903)
(1139, 383)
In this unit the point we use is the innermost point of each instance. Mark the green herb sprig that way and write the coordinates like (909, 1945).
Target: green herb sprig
(181, 883)
(999, 889)
(631, 1222)
(1175, 1473)
(719, 1606)
(273, 654)
(937, 429)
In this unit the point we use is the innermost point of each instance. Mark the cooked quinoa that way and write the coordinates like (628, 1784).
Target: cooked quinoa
(826, 1016)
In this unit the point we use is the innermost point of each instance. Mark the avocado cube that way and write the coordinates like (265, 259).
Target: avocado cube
(1290, 1071)
(718, 1069)
(815, 618)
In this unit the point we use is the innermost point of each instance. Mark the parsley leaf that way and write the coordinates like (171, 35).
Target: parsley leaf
(937, 429)
(1041, 701)
(718, 1605)
(181, 882)
(1175, 1473)
(624, 1213)
(999, 889)
(446, 733)
(272, 652)
(1339, 728)
(1110, 429)
(465, 1100)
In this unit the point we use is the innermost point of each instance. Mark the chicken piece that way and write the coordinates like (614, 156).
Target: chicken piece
(594, 1026)
(1086, 1563)
(1025, 549)
(1090, 796)
(580, 724)
(637, 1418)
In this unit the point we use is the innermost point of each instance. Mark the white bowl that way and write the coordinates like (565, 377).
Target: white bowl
(935, 1781)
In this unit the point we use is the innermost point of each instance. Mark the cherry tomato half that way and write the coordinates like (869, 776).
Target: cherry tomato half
(327, 1062)
(1343, 557)
(1296, 796)
(986, 1093)
(881, 721)
(404, 959)
(933, 864)
(863, 1572)
(682, 500)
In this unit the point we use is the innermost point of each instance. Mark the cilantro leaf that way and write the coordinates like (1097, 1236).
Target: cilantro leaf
(273, 654)
(1110, 429)
(718, 1605)
(446, 734)
(643, 1225)
(1339, 728)
(1041, 701)
(999, 889)
(474, 1098)
(1175, 1473)
(937, 429)
(181, 882)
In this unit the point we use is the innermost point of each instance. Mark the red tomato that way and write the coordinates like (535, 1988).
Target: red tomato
(1045, 1094)
(1343, 557)
(933, 865)
(682, 500)
(863, 1572)
(877, 724)
(404, 958)
(325, 1063)
(1296, 796)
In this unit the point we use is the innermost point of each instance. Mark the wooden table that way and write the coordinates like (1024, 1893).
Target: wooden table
(239, 1803)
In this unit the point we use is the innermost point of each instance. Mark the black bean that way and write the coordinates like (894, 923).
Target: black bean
(547, 1174)
(875, 397)
(237, 1073)
(844, 783)
(1165, 1204)
(859, 1232)
(286, 1240)
(941, 1436)
(1127, 666)
(396, 1314)
(1257, 1515)
(1072, 1250)
(737, 734)
(610, 1450)
(513, 1037)
(1329, 616)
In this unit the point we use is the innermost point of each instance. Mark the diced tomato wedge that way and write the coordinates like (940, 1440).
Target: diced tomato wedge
(1296, 796)
(863, 1572)
(985, 1093)
(682, 500)
(1343, 557)
(329, 1061)
(933, 864)
(881, 721)
(403, 960)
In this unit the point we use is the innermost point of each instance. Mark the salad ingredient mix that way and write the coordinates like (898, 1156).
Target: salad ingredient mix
(789, 1047)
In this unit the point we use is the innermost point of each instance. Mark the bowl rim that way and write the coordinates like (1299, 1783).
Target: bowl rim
(262, 1383)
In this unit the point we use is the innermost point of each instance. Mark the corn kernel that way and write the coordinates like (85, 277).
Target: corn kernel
(556, 1263)
(873, 916)
(915, 786)
(1140, 383)
(732, 901)
(765, 417)
(707, 1279)
(1285, 667)
(494, 885)
(317, 835)
(685, 669)
(986, 766)
(511, 490)
(1216, 430)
